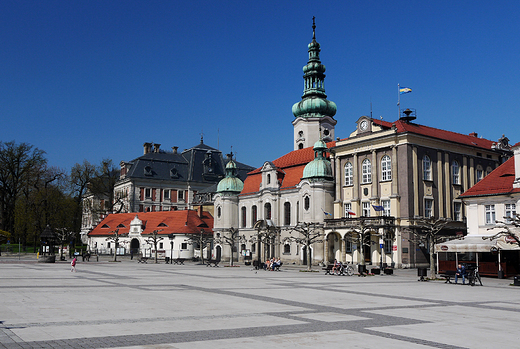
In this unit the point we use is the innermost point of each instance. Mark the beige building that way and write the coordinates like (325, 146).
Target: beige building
(403, 170)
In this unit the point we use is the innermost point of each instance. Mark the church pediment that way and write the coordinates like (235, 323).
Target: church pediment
(268, 166)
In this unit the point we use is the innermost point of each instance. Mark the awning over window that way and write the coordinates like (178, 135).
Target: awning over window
(475, 243)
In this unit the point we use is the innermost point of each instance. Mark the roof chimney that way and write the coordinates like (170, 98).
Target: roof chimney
(147, 148)
(174, 149)
(473, 134)
(156, 148)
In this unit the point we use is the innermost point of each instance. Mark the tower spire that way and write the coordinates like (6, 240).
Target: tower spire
(314, 110)
(313, 28)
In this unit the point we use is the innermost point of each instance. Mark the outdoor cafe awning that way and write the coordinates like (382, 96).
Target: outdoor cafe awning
(475, 243)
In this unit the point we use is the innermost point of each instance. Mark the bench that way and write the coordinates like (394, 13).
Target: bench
(143, 260)
(277, 267)
(328, 269)
(179, 261)
(212, 262)
(448, 275)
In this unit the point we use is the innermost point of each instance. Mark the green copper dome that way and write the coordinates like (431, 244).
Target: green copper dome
(320, 168)
(314, 101)
(230, 184)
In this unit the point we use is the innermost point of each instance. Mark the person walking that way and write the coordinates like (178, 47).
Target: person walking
(73, 265)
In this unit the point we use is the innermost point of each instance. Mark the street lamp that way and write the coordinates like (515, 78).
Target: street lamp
(171, 237)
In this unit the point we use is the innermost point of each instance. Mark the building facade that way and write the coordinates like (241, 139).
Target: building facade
(161, 180)
(406, 171)
(295, 188)
(174, 233)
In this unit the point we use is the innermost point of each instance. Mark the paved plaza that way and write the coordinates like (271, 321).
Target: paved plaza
(132, 305)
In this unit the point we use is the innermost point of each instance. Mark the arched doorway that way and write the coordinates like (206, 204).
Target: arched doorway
(334, 247)
(218, 252)
(134, 247)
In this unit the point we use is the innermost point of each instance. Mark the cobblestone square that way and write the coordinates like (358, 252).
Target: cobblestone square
(131, 305)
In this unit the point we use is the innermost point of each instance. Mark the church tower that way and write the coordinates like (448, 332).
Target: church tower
(314, 111)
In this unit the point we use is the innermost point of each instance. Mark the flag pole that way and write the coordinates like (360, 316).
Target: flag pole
(398, 102)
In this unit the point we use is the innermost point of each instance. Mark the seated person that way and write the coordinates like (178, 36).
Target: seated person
(267, 264)
(336, 266)
(461, 272)
(276, 264)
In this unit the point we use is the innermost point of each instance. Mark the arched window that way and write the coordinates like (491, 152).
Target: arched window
(268, 179)
(254, 215)
(349, 175)
(307, 203)
(267, 210)
(488, 170)
(366, 168)
(244, 216)
(386, 168)
(287, 213)
(455, 171)
(219, 211)
(427, 168)
(287, 249)
(479, 173)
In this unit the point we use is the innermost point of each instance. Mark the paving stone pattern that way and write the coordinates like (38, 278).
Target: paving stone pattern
(131, 305)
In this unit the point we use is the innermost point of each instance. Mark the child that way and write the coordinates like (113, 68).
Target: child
(73, 265)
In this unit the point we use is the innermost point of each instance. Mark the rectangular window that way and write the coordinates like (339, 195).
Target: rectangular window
(490, 214)
(510, 212)
(160, 245)
(180, 195)
(428, 208)
(366, 209)
(167, 194)
(348, 246)
(386, 207)
(148, 193)
(457, 211)
(184, 246)
(348, 210)
(388, 243)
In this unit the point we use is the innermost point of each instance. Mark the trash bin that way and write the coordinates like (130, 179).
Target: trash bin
(362, 269)
(500, 274)
(422, 272)
(376, 271)
(516, 281)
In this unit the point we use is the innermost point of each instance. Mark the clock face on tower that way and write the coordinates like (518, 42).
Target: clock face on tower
(363, 126)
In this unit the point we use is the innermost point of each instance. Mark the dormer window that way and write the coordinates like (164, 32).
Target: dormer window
(121, 225)
(174, 173)
(148, 171)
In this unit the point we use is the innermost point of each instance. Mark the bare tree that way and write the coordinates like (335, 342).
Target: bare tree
(202, 239)
(114, 238)
(154, 239)
(18, 162)
(429, 232)
(509, 230)
(232, 239)
(266, 234)
(308, 234)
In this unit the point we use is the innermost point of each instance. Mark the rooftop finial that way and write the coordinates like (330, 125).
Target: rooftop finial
(313, 28)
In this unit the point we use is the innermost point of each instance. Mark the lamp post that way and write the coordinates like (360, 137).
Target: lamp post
(171, 237)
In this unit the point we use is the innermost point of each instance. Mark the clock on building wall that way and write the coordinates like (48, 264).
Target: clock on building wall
(363, 126)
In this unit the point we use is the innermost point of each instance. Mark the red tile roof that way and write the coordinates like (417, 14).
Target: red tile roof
(290, 169)
(471, 139)
(498, 182)
(171, 222)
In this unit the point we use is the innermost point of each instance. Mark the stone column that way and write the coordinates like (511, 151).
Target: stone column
(447, 185)
(440, 186)
(416, 180)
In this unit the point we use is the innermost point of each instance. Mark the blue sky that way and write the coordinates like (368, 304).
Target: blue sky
(96, 79)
